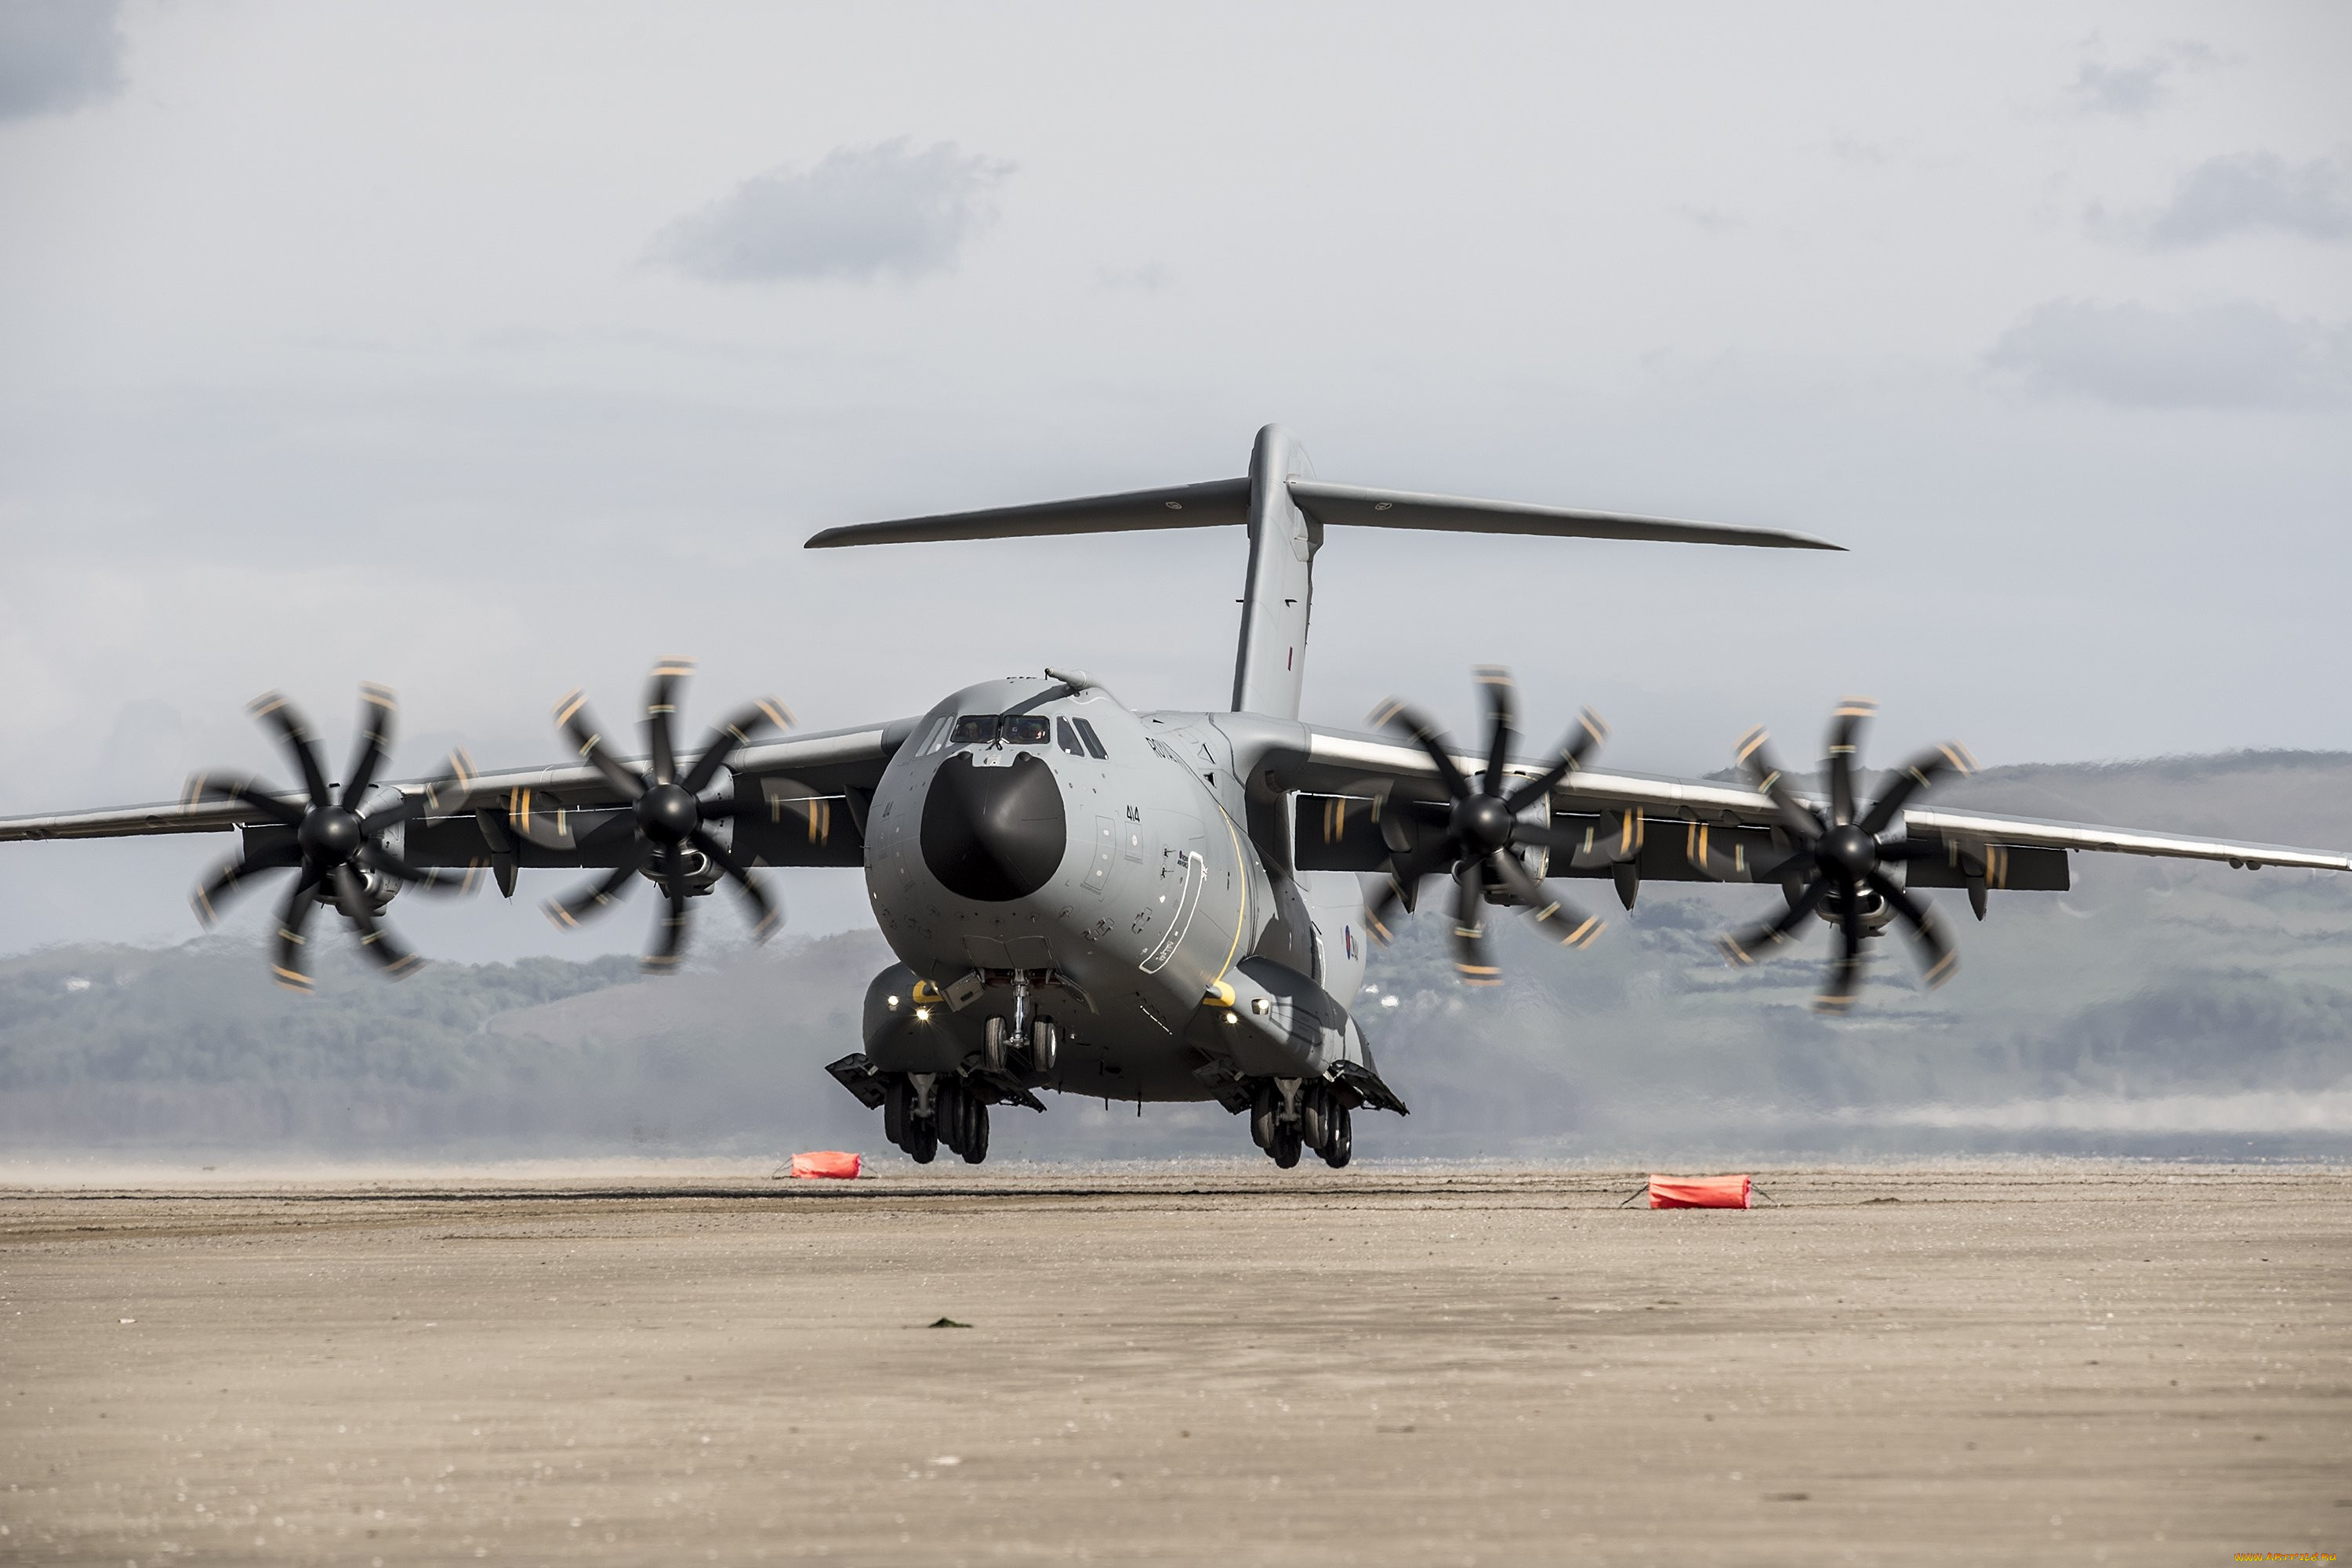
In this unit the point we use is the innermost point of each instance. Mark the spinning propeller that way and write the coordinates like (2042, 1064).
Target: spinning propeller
(1837, 868)
(1484, 827)
(335, 847)
(671, 813)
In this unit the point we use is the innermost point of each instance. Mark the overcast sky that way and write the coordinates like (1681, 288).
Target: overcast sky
(489, 350)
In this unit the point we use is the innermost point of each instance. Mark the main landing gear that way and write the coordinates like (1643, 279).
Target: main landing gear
(1288, 1116)
(922, 1110)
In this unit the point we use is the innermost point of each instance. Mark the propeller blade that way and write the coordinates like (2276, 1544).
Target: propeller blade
(429, 879)
(445, 794)
(1378, 912)
(1396, 715)
(573, 717)
(1503, 707)
(1845, 977)
(735, 733)
(1741, 947)
(1578, 743)
(1557, 916)
(1937, 960)
(601, 894)
(661, 708)
(290, 964)
(1917, 773)
(377, 707)
(767, 917)
(1470, 956)
(244, 787)
(1755, 758)
(214, 892)
(1845, 741)
(670, 934)
(377, 942)
(275, 711)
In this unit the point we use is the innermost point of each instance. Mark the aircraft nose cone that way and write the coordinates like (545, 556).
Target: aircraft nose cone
(993, 834)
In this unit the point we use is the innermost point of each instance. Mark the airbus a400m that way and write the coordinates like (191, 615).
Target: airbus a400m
(1139, 906)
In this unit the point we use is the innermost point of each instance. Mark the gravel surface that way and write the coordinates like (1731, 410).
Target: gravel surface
(2029, 1363)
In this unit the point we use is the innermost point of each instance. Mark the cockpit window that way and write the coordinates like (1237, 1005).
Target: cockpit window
(1012, 729)
(1068, 738)
(1086, 733)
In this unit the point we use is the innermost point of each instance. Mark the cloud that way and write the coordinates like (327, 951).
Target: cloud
(862, 211)
(2237, 354)
(58, 54)
(2135, 91)
(2248, 193)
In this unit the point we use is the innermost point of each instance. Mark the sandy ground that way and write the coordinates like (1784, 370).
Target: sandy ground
(2063, 1364)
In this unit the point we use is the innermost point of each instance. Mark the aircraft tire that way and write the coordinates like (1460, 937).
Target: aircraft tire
(975, 1141)
(895, 1096)
(1341, 1145)
(947, 1115)
(1263, 1106)
(923, 1143)
(1287, 1145)
(1313, 1111)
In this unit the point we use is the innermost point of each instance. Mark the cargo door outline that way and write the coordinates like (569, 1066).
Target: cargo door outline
(1188, 900)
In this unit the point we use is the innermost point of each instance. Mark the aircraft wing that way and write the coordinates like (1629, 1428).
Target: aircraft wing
(1691, 829)
(834, 764)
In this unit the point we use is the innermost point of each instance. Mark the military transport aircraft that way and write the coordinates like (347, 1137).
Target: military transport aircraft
(1163, 906)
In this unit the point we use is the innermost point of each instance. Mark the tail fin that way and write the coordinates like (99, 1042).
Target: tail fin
(1286, 509)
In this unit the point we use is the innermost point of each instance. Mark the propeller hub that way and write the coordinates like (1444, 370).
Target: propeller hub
(668, 814)
(1482, 822)
(329, 835)
(1849, 851)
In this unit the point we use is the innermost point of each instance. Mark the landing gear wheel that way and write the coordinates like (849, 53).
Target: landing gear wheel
(975, 1138)
(1313, 1109)
(948, 1115)
(1286, 1144)
(1044, 1043)
(895, 1096)
(1340, 1143)
(923, 1142)
(1263, 1106)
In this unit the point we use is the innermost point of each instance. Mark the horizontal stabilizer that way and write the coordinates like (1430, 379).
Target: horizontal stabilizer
(1176, 506)
(1221, 501)
(1356, 505)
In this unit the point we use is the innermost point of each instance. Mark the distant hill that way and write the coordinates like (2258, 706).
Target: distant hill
(2156, 1008)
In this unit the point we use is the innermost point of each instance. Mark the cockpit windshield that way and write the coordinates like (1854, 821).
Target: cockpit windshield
(1011, 728)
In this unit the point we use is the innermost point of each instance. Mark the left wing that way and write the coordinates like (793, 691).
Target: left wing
(1354, 765)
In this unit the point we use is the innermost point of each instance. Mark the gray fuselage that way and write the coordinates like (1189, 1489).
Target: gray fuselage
(1120, 889)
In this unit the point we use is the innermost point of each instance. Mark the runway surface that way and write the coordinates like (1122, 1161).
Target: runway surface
(2063, 1364)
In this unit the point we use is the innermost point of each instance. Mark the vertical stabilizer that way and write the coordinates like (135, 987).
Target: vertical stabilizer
(1276, 602)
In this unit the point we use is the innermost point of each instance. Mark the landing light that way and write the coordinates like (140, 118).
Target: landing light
(922, 1015)
(891, 1003)
(1231, 1019)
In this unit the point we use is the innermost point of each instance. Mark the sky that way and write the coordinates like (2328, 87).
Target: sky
(487, 350)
